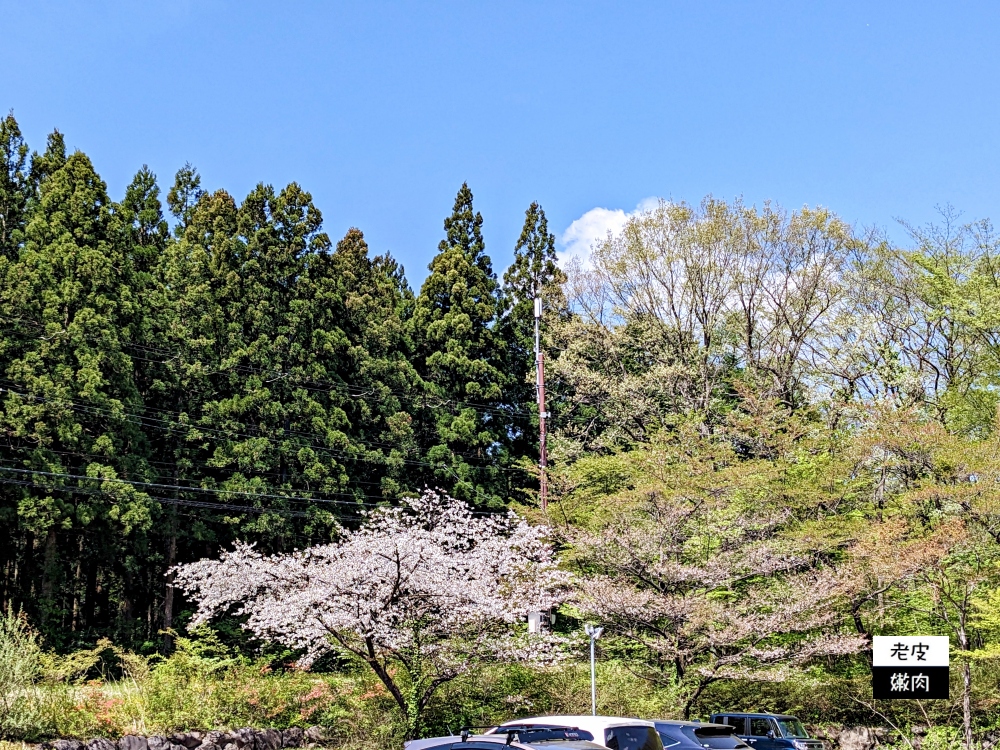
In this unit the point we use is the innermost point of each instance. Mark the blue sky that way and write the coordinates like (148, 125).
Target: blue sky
(876, 110)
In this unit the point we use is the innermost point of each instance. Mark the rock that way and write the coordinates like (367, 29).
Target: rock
(208, 746)
(101, 743)
(292, 737)
(133, 742)
(859, 738)
(231, 746)
(243, 737)
(65, 745)
(315, 734)
(267, 739)
(216, 737)
(156, 742)
(190, 740)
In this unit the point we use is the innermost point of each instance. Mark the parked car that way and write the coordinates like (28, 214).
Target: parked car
(695, 735)
(534, 737)
(612, 732)
(769, 731)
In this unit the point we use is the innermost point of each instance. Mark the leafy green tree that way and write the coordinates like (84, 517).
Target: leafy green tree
(179, 358)
(370, 305)
(16, 188)
(184, 196)
(139, 219)
(69, 391)
(51, 160)
(461, 357)
(534, 273)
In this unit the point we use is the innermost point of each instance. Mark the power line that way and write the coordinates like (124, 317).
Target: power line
(145, 420)
(185, 488)
(278, 375)
(166, 426)
(182, 501)
(173, 465)
(166, 500)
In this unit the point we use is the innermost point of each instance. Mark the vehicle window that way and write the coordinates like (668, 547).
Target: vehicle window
(716, 739)
(667, 739)
(632, 738)
(792, 728)
(738, 722)
(759, 727)
(549, 734)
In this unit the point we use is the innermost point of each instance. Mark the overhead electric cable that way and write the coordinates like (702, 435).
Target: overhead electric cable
(165, 500)
(276, 375)
(155, 423)
(181, 501)
(187, 488)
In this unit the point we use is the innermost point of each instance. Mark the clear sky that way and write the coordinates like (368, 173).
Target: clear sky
(878, 110)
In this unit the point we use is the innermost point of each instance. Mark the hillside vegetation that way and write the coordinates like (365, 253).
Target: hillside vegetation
(772, 436)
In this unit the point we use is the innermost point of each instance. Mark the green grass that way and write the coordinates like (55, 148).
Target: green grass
(107, 692)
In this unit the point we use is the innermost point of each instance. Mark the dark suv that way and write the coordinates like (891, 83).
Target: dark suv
(769, 731)
(695, 735)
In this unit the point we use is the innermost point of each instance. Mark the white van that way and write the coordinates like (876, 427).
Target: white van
(520, 737)
(613, 732)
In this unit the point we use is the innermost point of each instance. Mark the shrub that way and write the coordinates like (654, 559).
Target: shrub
(19, 667)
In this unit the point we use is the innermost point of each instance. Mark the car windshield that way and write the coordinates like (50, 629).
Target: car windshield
(792, 728)
(546, 734)
(632, 738)
(716, 738)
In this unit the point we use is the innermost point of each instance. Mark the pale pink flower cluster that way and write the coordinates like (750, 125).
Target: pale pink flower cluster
(428, 582)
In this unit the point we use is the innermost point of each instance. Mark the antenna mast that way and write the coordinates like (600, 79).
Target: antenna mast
(543, 485)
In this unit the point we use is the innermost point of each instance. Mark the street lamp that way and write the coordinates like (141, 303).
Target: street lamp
(594, 632)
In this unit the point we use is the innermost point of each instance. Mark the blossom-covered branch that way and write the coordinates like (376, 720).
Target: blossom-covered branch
(428, 586)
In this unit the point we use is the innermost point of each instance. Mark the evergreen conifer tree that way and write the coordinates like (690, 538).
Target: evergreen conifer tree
(372, 306)
(51, 161)
(15, 187)
(69, 395)
(533, 273)
(184, 196)
(461, 358)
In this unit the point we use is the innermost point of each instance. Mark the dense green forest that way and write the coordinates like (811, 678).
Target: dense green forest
(773, 434)
(232, 373)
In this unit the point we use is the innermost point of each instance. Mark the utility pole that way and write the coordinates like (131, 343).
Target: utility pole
(543, 484)
(594, 632)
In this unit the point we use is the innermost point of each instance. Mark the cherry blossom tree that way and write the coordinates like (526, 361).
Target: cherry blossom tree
(699, 589)
(420, 594)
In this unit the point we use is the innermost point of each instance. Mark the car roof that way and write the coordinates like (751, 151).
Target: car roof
(501, 739)
(753, 715)
(678, 723)
(588, 723)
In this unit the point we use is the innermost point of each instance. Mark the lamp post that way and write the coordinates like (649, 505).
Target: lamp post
(594, 632)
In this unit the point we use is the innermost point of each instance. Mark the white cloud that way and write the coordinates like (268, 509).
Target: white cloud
(592, 227)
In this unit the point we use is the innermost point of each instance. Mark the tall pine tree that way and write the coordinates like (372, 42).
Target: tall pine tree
(465, 423)
(16, 188)
(533, 273)
(69, 395)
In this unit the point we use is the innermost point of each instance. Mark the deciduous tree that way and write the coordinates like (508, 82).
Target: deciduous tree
(420, 594)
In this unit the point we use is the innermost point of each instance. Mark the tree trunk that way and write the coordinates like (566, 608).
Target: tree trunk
(168, 594)
(49, 573)
(76, 586)
(689, 703)
(967, 704)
